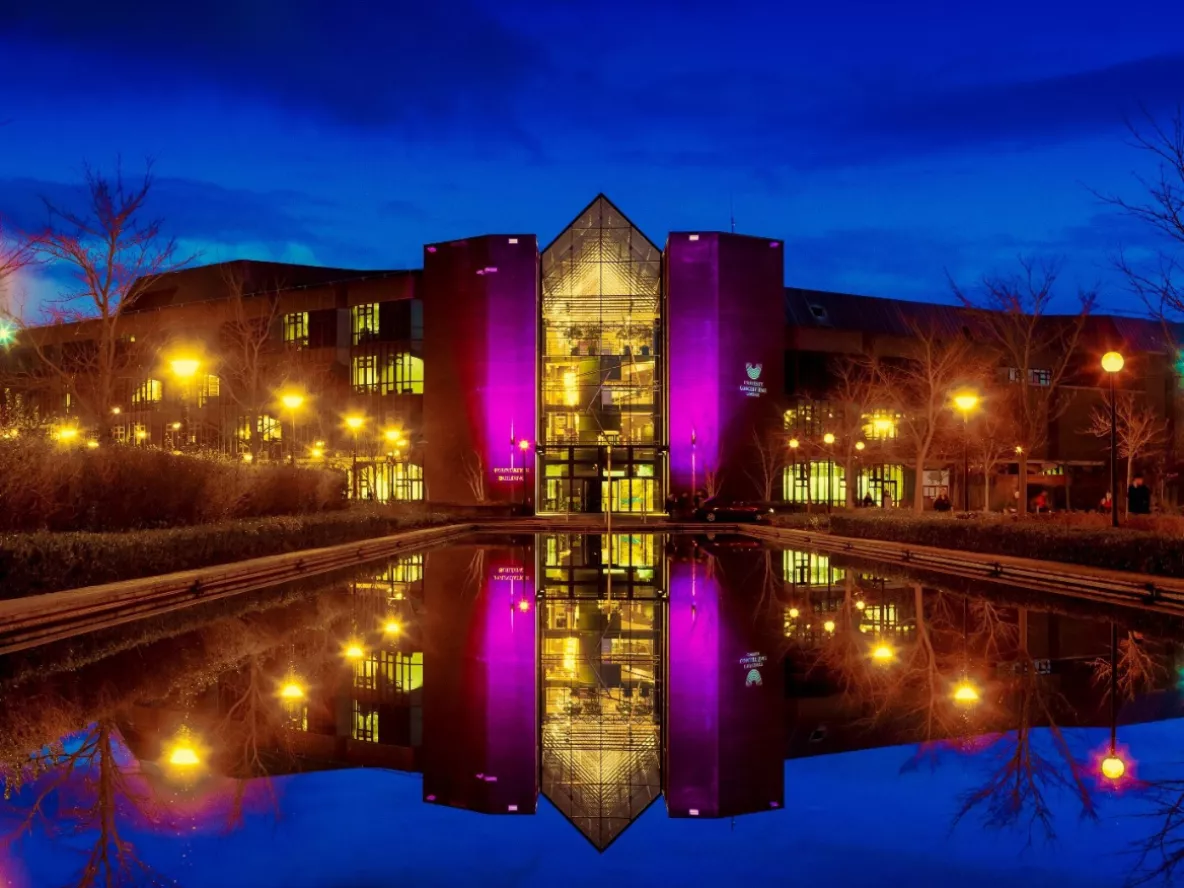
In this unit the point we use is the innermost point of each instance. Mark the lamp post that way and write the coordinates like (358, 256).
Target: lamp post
(794, 444)
(395, 439)
(828, 439)
(965, 402)
(184, 368)
(1112, 363)
(292, 402)
(1113, 766)
(524, 445)
(354, 423)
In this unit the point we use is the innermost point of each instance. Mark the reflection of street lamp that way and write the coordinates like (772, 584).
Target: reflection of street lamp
(354, 423)
(965, 402)
(883, 653)
(1113, 767)
(965, 693)
(828, 439)
(1112, 363)
(292, 402)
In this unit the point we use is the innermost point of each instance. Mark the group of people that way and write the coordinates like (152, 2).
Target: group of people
(1138, 498)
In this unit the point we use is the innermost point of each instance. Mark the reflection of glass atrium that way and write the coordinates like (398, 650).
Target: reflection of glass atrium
(600, 369)
(600, 666)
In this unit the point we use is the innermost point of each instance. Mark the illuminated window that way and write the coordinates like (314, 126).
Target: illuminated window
(365, 723)
(1036, 376)
(150, 391)
(296, 329)
(809, 419)
(814, 481)
(365, 373)
(402, 375)
(809, 569)
(209, 389)
(409, 671)
(880, 425)
(365, 322)
(268, 428)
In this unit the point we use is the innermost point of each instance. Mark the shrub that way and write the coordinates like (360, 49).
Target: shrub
(48, 487)
(1042, 537)
(48, 562)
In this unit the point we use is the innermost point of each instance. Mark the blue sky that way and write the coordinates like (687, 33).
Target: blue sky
(885, 143)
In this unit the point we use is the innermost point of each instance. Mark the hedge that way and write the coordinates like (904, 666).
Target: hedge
(1141, 551)
(36, 563)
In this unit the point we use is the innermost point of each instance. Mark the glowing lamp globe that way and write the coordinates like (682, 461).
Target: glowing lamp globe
(966, 401)
(883, 653)
(965, 693)
(183, 368)
(1112, 362)
(794, 443)
(353, 651)
(1113, 767)
(794, 613)
(860, 605)
(524, 605)
(184, 757)
(829, 625)
(523, 444)
(292, 401)
(292, 691)
(355, 422)
(859, 445)
(828, 438)
(392, 627)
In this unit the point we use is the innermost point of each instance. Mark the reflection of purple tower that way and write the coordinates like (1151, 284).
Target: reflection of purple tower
(480, 698)
(723, 727)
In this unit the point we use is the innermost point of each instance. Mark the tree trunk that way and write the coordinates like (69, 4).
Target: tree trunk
(1021, 503)
(986, 488)
(851, 477)
(919, 481)
(1130, 480)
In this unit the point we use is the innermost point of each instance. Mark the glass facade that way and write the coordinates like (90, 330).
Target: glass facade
(600, 386)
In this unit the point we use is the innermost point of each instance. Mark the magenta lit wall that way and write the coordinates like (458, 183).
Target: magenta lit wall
(725, 317)
(480, 697)
(480, 305)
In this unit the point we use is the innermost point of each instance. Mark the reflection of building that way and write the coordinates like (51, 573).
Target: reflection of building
(724, 727)
(480, 703)
(601, 675)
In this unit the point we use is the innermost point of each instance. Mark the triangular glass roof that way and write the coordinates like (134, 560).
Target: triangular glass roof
(601, 264)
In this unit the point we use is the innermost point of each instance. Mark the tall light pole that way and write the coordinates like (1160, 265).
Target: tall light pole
(292, 402)
(965, 402)
(794, 444)
(395, 439)
(828, 439)
(354, 423)
(524, 445)
(1112, 363)
(184, 369)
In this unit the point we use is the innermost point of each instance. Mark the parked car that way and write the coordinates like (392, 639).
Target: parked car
(714, 510)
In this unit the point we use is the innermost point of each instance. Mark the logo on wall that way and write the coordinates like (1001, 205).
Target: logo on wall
(752, 663)
(752, 386)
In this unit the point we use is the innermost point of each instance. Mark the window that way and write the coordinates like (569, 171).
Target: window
(208, 389)
(1035, 376)
(880, 425)
(403, 375)
(365, 723)
(268, 428)
(365, 373)
(150, 391)
(296, 329)
(365, 322)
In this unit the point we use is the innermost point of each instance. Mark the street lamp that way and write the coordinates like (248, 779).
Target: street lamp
(395, 439)
(184, 368)
(1113, 767)
(66, 434)
(354, 423)
(1112, 363)
(966, 401)
(828, 439)
(965, 693)
(524, 445)
(292, 402)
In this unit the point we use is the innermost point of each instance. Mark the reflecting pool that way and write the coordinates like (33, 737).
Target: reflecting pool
(583, 707)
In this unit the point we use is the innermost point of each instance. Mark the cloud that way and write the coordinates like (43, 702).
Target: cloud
(368, 64)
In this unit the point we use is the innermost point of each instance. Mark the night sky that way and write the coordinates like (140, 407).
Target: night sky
(886, 143)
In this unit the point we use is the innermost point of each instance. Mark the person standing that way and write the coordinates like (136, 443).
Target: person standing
(1138, 497)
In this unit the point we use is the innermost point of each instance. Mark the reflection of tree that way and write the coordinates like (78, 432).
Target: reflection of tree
(1161, 853)
(1142, 667)
(87, 790)
(1023, 771)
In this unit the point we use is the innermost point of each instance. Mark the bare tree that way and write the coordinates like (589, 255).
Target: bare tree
(856, 391)
(474, 467)
(1036, 348)
(920, 388)
(247, 351)
(992, 442)
(766, 468)
(1140, 429)
(114, 254)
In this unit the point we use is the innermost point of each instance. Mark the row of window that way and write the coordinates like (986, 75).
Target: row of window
(812, 419)
(370, 322)
(398, 374)
(204, 389)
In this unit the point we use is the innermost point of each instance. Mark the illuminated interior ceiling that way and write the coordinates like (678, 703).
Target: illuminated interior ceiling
(601, 269)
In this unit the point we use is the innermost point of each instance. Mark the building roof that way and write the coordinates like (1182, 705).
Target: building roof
(821, 309)
(204, 282)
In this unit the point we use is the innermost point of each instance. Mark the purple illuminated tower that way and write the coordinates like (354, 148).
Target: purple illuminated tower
(480, 698)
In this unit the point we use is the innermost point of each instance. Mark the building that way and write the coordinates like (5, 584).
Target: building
(598, 372)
